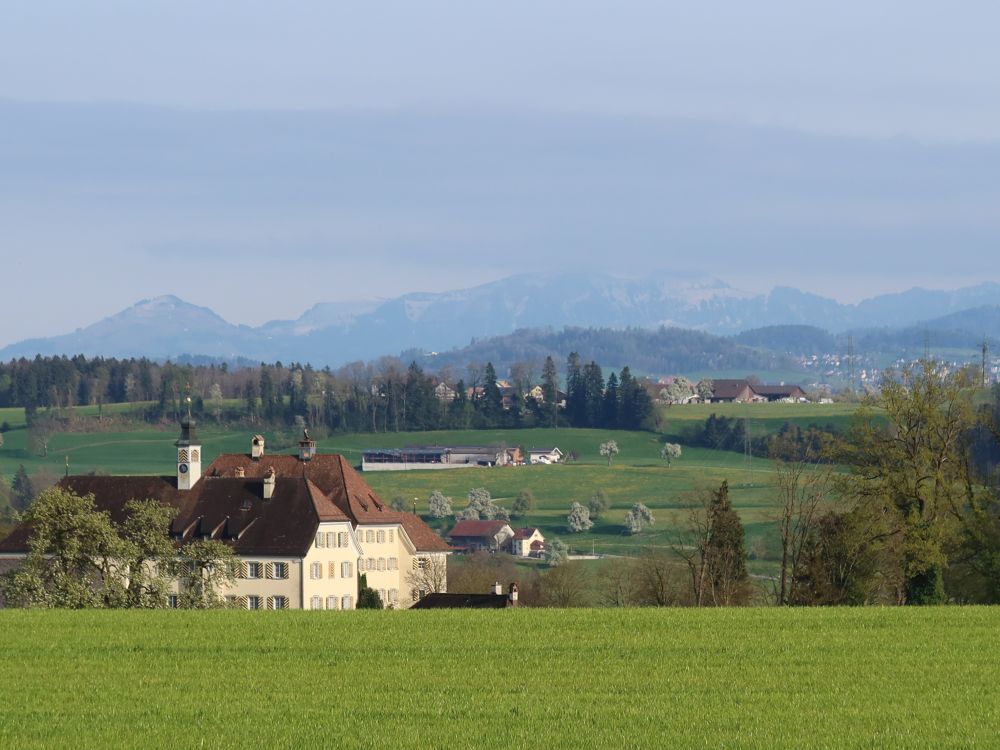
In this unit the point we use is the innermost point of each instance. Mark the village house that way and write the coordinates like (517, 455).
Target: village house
(303, 527)
(544, 455)
(475, 536)
(527, 542)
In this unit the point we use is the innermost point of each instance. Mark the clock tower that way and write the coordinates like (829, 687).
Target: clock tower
(188, 456)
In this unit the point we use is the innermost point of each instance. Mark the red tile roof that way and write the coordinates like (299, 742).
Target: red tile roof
(476, 528)
(232, 508)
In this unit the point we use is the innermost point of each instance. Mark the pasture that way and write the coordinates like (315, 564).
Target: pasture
(762, 677)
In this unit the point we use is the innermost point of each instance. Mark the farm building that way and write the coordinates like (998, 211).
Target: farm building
(544, 455)
(303, 527)
(438, 457)
(527, 542)
(745, 391)
(496, 599)
(474, 536)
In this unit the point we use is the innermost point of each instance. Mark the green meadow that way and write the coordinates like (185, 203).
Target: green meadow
(643, 678)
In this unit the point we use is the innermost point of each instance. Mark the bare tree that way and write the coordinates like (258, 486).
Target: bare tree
(802, 491)
(429, 576)
(565, 586)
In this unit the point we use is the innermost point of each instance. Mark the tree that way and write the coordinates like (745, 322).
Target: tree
(618, 583)
(399, 504)
(368, 598)
(23, 489)
(72, 557)
(203, 568)
(556, 552)
(669, 452)
(550, 392)
(523, 504)
(705, 389)
(802, 491)
(564, 586)
(610, 450)
(658, 579)
(578, 519)
(915, 471)
(481, 505)
(638, 517)
(712, 546)
(492, 403)
(147, 553)
(41, 428)
(438, 505)
(430, 576)
(598, 504)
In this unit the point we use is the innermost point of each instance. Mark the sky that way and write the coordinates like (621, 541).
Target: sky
(259, 157)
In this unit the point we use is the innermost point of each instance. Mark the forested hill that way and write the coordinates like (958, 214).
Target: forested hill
(658, 352)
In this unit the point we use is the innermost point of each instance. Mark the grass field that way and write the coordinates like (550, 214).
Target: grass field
(513, 679)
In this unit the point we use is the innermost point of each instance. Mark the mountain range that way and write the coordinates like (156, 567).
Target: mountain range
(340, 332)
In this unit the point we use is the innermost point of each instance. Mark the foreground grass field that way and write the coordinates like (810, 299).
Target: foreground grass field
(514, 679)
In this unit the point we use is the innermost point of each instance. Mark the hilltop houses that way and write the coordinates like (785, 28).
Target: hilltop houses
(303, 527)
(496, 536)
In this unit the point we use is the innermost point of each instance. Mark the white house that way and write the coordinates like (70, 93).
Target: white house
(544, 455)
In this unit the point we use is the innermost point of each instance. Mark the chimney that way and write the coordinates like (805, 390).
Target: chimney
(257, 447)
(269, 479)
(513, 594)
(497, 588)
(307, 447)
(240, 472)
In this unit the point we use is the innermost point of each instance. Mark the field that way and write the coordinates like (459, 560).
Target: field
(515, 679)
(636, 475)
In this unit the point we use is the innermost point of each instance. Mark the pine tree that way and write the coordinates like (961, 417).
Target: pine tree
(550, 391)
(724, 553)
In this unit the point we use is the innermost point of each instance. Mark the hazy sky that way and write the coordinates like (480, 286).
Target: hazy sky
(90, 239)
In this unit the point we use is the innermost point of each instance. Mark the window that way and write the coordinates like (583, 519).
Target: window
(390, 536)
(331, 539)
(254, 570)
(281, 602)
(422, 562)
(253, 602)
(281, 570)
(331, 602)
(320, 539)
(380, 537)
(316, 570)
(345, 570)
(381, 563)
(369, 536)
(381, 596)
(361, 565)
(173, 601)
(182, 456)
(316, 602)
(195, 456)
(342, 539)
(371, 563)
(348, 603)
(393, 563)
(393, 596)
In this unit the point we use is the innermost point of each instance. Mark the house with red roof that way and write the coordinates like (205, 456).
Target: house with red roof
(527, 542)
(303, 527)
(476, 536)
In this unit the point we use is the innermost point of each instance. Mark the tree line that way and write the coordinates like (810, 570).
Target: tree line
(383, 396)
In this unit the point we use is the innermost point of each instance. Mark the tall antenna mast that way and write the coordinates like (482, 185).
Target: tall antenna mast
(850, 361)
(986, 357)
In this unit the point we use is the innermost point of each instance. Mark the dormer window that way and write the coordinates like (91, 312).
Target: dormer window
(182, 456)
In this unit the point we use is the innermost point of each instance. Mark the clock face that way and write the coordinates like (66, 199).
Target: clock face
(183, 468)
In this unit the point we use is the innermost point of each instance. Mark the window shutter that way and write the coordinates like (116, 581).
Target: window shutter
(270, 602)
(284, 602)
(241, 602)
(268, 570)
(333, 570)
(241, 569)
(413, 563)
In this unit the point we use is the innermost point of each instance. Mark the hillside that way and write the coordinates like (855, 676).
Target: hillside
(659, 351)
